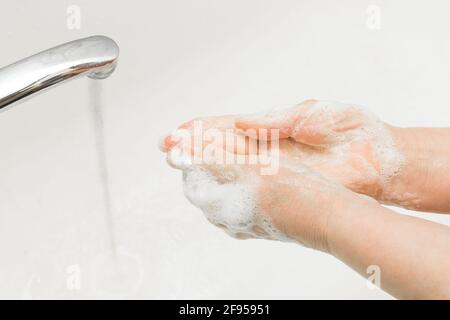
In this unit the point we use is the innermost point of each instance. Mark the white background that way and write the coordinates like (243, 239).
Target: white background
(182, 59)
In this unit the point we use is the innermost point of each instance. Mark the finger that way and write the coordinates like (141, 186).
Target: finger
(284, 121)
(260, 126)
(196, 127)
(325, 121)
(169, 141)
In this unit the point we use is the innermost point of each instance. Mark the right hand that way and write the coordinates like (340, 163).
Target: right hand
(345, 143)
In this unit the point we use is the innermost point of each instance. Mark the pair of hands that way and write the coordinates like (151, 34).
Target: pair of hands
(334, 164)
(324, 150)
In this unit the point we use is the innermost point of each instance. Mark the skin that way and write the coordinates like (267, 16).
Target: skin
(321, 206)
(426, 173)
(420, 182)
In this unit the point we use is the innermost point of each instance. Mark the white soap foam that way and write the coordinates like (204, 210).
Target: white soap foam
(228, 200)
(230, 203)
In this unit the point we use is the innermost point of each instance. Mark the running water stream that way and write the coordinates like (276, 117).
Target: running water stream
(97, 114)
(118, 273)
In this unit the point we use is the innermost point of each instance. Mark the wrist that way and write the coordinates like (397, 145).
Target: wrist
(424, 174)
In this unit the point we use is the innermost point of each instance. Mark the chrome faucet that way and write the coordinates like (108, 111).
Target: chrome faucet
(95, 57)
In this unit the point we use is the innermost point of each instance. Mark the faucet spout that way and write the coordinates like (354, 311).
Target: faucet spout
(95, 57)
